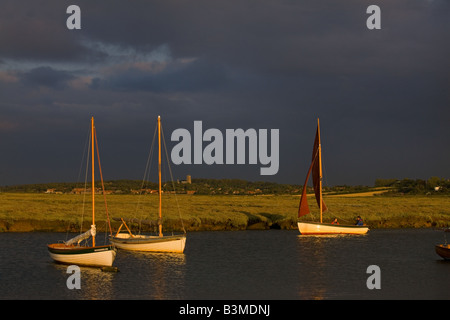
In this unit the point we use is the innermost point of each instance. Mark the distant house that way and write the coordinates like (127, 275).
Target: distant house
(77, 191)
(144, 191)
(53, 191)
(188, 180)
(83, 191)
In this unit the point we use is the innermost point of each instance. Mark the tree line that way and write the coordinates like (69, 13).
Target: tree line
(433, 185)
(196, 186)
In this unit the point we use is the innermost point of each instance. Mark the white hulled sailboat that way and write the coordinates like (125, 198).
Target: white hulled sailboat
(307, 228)
(71, 252)
(149, 243)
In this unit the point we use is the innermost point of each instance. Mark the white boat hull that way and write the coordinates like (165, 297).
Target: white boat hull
(311, 228)
(149, 243)
(102, 256)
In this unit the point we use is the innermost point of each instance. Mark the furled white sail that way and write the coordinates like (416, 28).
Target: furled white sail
(83, 236)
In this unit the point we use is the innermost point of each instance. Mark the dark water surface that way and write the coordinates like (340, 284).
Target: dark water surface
(253, 265)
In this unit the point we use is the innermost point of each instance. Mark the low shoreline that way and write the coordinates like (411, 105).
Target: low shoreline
(33, 225)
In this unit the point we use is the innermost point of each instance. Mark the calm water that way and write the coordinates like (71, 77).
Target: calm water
(252, 265)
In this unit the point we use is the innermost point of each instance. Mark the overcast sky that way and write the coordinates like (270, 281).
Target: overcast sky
(382, 95)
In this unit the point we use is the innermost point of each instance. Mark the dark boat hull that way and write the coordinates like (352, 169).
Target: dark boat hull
(443, 250)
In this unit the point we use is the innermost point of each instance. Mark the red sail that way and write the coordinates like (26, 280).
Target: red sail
(316, 170)
(303, 208)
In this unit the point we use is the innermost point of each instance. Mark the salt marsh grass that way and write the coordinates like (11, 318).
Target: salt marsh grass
(222, 212)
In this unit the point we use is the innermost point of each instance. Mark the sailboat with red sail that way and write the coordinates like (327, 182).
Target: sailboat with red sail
(306, 227)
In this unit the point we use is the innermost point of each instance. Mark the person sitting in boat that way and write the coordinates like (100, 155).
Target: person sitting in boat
(335, 221)
(359, 221)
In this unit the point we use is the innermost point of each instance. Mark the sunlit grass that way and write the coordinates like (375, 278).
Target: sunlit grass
(200, 212)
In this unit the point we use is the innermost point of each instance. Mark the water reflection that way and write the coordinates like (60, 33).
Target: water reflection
(312, 262)
(239, 265)
(324, 264)
(141, 275)
(95, 283)
(162, 275)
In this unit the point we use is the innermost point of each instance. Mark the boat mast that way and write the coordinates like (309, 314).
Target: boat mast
(93, 192)
(320, 170)
(159, 174)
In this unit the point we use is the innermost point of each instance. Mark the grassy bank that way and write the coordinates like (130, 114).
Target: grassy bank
(64, 212)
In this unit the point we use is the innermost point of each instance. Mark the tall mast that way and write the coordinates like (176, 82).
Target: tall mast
(93, 192)
(159, 174)
(320, 170)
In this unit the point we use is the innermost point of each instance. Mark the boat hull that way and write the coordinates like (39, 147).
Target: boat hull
(443, 250)
(316, 228)
(98, 256)
(174, 244)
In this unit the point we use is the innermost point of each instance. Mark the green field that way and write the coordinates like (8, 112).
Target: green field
(64, 212)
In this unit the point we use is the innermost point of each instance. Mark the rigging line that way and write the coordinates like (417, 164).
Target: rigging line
(85, 183)
(324, 175)
(336, 216)
(312, 164)
(86, 147)
(325, 182)
(148, 164)
(171, 177)
(325, 179)
(146, 177)
(79, 174)
(101, 178)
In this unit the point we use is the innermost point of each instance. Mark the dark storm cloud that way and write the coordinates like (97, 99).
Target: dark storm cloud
(284, 37)
(381, 95)
(193, 76)
(31, 30)
(47, 77)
